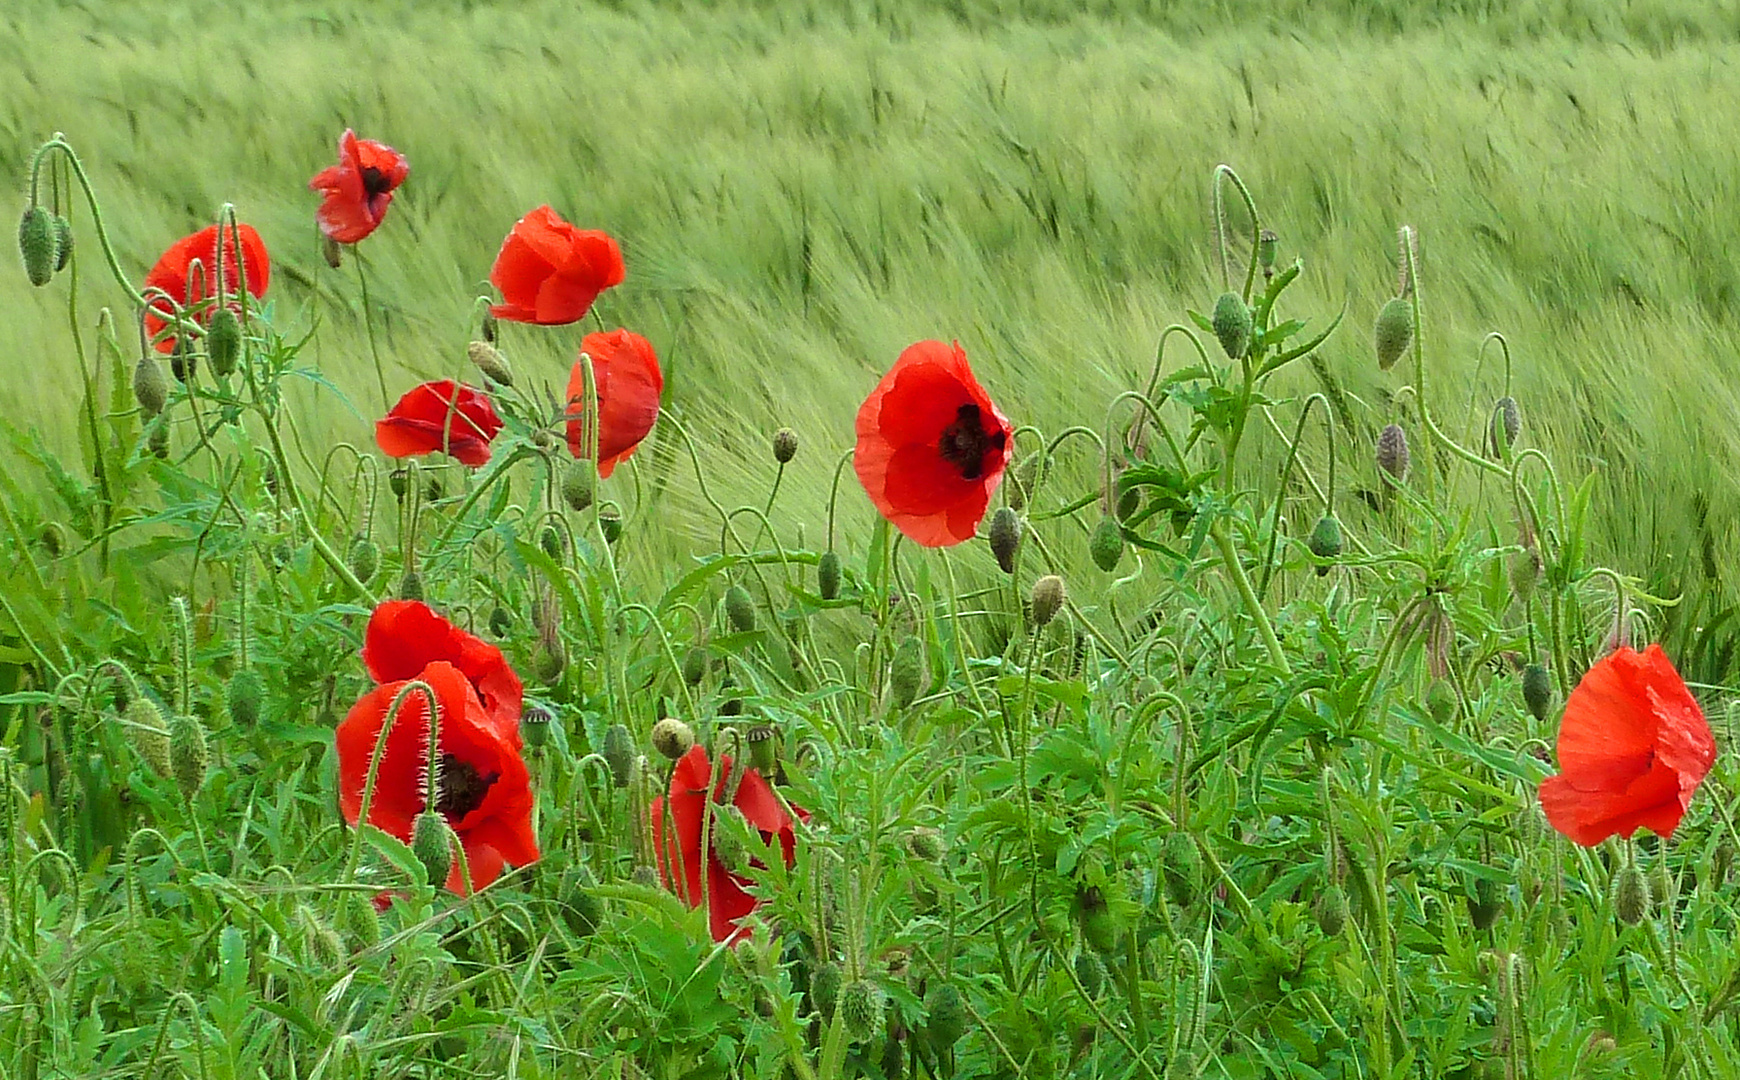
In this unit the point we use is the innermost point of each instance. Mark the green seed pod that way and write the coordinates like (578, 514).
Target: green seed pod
(861, 1009)
(579, 485)
(828, 576)
(1325, 541)
(358, 921)
(63, 243)
(785, 445)
(1486, 905)
(491, 362)
(1441, 701)
(1181, 868)
(1537, 687)
(501, 621)
(150, 388)
(1267, 243)
(1106, 545)
(618, 753)
(399, 482)
(535, 726)
(1392, 451)
(945, 1016)
(1047, 598)
(1394, 332)
(550, 541)
(1631, 899)
(906, 672)
(763, 749)
(223, 341)
(925, 843)
(363, 558)
(1005, 536)
(1090, 971)
(825, 983)
(243, 696)
(610, 524)
(727, 847)
(36, 245)
(695, 664)
(1232, 325)
(1505, 426)
(147, 733)
(1330, 910)
(740, 609)
(188, 754)
(432, 843)
(672, 738)
(411, 586)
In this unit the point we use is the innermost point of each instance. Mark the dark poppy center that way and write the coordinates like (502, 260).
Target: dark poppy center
(375, 182)
(965, 442)
(462, 788)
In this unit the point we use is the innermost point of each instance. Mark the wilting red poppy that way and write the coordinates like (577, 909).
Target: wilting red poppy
(629, 384)
(485, 792)
(172, 271)
(931, 446)
(1633, 747)
(727, 900)
(357, 190)
(442, 415)
(549, 272)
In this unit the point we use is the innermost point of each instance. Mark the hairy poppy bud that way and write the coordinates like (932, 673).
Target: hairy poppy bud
(861, 1009)
(157, 442)
(36, 245)
(1486, 905)
(1631, 899)
(1525, 571)
(550, 541)
(223, 341)
(945, 1016)
(1090, 971)
(491, 362)
(618, 753)
(1098, 928)
(785, 445)
(925, 843)
(549, 659)
(331, 252)
(1267, 243)
(1181, 868)
(188, 755)
(52, 538)
(580, 484)
(1440, 701)
(825, 988)
(501, 621)
(695, 664)
(322, 941)
(906, 672)
(828, 576)
(1106, 545)
(1392, 451)
(242, 697)
(150, 388)
(1325, 541)
(1394, 332)
(727, 847)
(411, 586)
(63, 243)
(645, 876)
(1506, 425)
(763, 748)
(432, 843)
(146, 732)
(610, 524)
(1047, 599)
(1232, 325)
(363, 558)
(672, 738)
(358, 920)
(740, 609)
(1022, 480)
(1330, 910)
(1537, 687)
(1005, 535)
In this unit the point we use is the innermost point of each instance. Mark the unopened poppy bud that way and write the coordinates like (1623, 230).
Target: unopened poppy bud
(1392, 451)
(1106, 545)
(1440, 701)
(645, 876)
(1090, 971)
(432, 843)
(52, 538)
(1537, 688)
(331, 252)
(945, 1016)
(1325, 541)
(411, 586)
(1394, 332)
(1631, 899)
(1181, 868)
(825, 989)
(223, 341)
(188, 755)
(550, 541)
(581, 908)
(1506, 425)
(610, 524)
(861, 1009)
(906, 672)
(1183, 1065)
(1330, 910)
(157, 442)
(1486, 905)
(63, 243)
(1525, 572)
(1232, 325)
(358, 921)
(785, 445)
(486, 329)
(672, 738)
(1098, 928)
(580, 484)
(1047, 599)
(150, 388)
(695, 664)
(322, 941)
(36, 245)
(535, 726)
(243, 696)
(1005, 536)
(549, 660)
(399, 482)
(145, 730)
(925, 843)
(1022, 480)
(727, 846)
(363, 558)
(618, 753)
(763, 748)
(491, 362)
(740, 609)
(182, 361)
(1267, 244)
(828, 576)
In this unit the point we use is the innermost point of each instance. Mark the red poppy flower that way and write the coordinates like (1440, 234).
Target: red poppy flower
(358, 189)
(549, 272)
(485, 791)
(442, 415)
(1633, 748)
(727, 901)
(172, 271)
(931, 446)
(629, 385)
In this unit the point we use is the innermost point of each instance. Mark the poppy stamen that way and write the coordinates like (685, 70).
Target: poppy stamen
(375, 182)
(963, 443)
(462, 788)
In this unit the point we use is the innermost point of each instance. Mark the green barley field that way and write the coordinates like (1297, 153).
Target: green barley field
(1246, 803)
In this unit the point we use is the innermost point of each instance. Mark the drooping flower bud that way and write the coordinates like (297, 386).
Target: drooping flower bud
(825, 989)
(906, 672)
(491, 362)
(1440, 700)
(1486, 905)
(1394, 332)
(157, 442)
(580, 484)
(411, 586)
(785, 445)
(945, 1016)
(727, 846)
(1506, 425)
(618, 753)
(695, 664)
(36, 245)
(1005, 536)
(432, 843)
(926, 843)
(1631, 899)
(861, 1009)
(243, 696)
(1392, 451)
(1525, 572)
(1325, 541)
(150, 388)
(1048, 594)
(146, 731)
(740, 609)
(358, 920)
(188, 755)
(1181, 868)
(1330, 910)
(1090, 971)
(550, 541)
(363, 557)
(1098, 926)
(1232, 325)
(1106, 545)
(672, 738)
(223, 341)
(1537, 688)
(331, 252)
